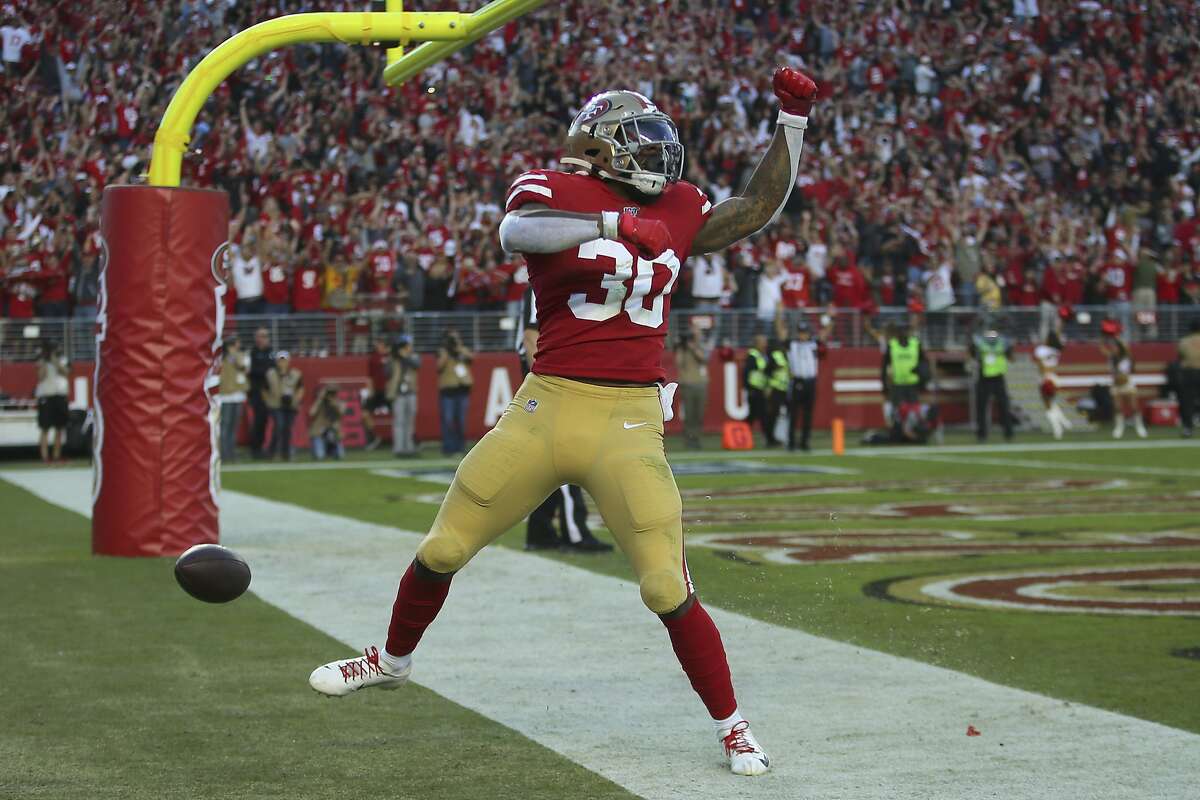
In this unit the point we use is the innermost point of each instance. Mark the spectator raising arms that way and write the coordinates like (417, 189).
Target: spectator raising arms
(1066, 134)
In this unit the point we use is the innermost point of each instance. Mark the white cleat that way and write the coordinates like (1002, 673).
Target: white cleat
(746, 756)
(1119, 428)
(339, 678)
(1140, 427)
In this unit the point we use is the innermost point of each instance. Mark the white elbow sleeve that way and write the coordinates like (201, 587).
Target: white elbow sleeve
(544, 233)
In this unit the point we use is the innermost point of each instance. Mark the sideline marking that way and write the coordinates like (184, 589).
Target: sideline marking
(682, 457)
(1122, 469)
(571, 659)
(1017, 447)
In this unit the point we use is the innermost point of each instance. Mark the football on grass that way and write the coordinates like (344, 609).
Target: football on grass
(212, 573)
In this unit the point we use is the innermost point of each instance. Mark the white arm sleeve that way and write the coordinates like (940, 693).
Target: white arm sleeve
(543, 232)
(793, 126)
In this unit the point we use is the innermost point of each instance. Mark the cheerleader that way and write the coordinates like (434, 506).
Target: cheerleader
(1047, 356)
(1124, 392)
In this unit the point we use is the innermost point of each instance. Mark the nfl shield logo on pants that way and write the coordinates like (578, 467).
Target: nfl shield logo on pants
(531, 406)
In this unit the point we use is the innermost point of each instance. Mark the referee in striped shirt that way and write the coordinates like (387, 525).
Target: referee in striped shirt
(567, 502)
(804, 353)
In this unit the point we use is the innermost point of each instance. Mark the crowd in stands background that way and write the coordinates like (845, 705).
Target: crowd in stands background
(966, 152)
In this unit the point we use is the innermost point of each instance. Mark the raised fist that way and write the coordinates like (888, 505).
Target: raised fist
(649, 236)
(795, 90)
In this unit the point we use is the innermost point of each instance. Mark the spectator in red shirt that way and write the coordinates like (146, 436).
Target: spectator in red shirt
(1170, 284)
(797, 287)
(276, 276)
(18, 284)
(381, 269)
(850, 289)
(1118, 281)
(378, 370)
(53, 274)
(306, 284)
(514, 280)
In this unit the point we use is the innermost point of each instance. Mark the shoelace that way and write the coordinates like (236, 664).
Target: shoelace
(363, 667)
(736, 742)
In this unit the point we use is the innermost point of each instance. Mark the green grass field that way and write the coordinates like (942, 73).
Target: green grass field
(122, 684)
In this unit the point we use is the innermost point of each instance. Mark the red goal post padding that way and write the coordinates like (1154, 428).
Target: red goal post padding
(158, 341)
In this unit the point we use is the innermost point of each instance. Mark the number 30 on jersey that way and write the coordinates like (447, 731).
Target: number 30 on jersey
(614, 283)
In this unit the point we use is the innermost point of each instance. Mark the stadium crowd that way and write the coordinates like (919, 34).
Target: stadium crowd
(963, 152)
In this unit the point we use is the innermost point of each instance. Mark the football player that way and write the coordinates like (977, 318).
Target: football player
(605, 242)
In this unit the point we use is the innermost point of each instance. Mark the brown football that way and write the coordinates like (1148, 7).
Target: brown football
(212, 573)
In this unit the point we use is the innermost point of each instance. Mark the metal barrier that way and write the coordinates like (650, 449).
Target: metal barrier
(355, 333)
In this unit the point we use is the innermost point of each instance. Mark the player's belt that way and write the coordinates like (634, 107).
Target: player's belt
(614, 384)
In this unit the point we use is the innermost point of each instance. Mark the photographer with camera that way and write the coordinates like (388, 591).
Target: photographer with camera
(403, 374)
(231, 394)
(454, 391)
(325, 424)
(51, 392)
(262, 361)
(285, 390)
(691, 361)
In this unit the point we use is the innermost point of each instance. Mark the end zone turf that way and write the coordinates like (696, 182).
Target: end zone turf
(519, 646)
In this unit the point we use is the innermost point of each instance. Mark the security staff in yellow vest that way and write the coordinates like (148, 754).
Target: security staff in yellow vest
(779, 380)
(756, 380)
(903, 368)
(992, 353)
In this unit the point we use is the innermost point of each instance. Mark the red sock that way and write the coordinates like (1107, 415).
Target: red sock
(697, 645)
(418, 601)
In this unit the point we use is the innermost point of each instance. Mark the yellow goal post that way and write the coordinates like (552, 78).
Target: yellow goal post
(442, 33)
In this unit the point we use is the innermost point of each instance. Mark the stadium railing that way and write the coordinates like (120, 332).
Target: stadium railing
(355, 333)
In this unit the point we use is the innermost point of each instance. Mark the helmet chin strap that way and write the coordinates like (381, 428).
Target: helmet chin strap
(647, 183)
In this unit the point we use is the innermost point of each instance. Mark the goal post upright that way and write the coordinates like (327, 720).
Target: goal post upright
(483, 22)
(161, 314)
(442, 33)
(350, 28)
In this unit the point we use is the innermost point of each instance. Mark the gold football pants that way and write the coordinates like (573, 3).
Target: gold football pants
(609, 440)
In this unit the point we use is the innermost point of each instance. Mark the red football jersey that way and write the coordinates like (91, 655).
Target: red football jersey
(306, 288)
(603, 310)
(795, 286)
(275, 284)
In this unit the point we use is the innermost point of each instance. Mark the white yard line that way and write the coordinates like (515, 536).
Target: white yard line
(570, 659)
(721, 455)
(1032, 447)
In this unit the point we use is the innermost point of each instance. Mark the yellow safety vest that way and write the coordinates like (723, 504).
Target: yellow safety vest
(781, 375)
(993, 360)
(904, 359)
(758, 376)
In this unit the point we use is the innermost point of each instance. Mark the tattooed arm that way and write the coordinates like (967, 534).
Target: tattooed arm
(737, 217)
(767, 192)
